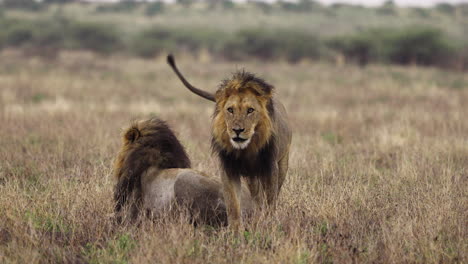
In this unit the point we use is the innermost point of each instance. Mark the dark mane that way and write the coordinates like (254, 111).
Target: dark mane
(238, 163)
(146, 144)
(242, 78)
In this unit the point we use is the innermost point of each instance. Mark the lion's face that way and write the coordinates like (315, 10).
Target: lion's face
(242, 113)
(242, 121)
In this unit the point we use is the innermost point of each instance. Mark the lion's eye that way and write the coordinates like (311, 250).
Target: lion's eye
(230, 110)
(250, 110)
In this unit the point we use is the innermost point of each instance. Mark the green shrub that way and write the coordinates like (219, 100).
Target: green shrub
(269, 45)
(154, 8)
(58, 1)
(151, 42)
(299, 6)
(262, 6)
(30, 5)
(44, 37)
(185, 2)
(420, 12)
(228, 4)
(18, 34)
(361, 48)
(414, 45)
(298, 45)
(100, 38)
(388, 8)
(49, 36)
(289, 6)
(119, 7)
(252, 43)
(419, 45)
(445, 8)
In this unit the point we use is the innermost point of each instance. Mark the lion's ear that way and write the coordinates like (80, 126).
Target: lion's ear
(132, 134)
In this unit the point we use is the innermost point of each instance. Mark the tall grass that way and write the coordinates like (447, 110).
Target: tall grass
(378, 168)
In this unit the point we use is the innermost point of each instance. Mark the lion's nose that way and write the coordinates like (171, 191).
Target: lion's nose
(238, 131)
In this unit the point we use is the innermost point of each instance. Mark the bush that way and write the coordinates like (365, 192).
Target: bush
(17, 34)
(299, 6)
(100, 38)
(415, 45)
(289, 6)
(445, 8)
(185, 2)
(420, 12)
(228, 4)
(360, 48)
(424, 46)
(154, 8)
(43, 38)
(58, 1)
(262, 6)
(269, 45)
(388, 8)
(152, 42)
(50, 36)
(119, 7)
(30, 5)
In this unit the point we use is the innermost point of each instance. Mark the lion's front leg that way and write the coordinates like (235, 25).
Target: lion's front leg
(232, 194)
(256, 191)
(271, 186)
(283, 165)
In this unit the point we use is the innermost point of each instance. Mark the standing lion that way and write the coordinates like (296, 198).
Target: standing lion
(251, 136)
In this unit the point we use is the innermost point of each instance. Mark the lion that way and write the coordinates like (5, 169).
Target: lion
(251, 136)
(154, 176)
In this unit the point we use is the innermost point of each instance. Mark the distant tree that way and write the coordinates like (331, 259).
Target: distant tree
(154, 8)
(445, 8)
(420, 12)
(308, 5)
(58, 1)
(185, 2)
(223, 4)
(388, 8)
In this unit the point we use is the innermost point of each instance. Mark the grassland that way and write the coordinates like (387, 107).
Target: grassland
(378, 169)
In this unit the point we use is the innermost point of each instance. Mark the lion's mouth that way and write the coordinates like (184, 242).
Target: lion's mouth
(239, 139)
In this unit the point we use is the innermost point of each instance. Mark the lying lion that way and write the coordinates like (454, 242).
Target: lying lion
(154, 176)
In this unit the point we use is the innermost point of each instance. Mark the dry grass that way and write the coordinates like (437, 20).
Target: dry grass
(379, 165)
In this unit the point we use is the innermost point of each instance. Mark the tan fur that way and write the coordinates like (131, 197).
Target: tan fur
(259, 126)
(155, 179)
(223, 121)
(251, 136)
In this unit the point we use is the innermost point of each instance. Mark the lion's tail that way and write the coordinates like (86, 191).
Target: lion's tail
(148, 143)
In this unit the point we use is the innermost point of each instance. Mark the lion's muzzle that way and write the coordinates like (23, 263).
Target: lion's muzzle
(240, 143)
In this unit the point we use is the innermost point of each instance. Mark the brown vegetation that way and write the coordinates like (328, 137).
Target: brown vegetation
(378, 169)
